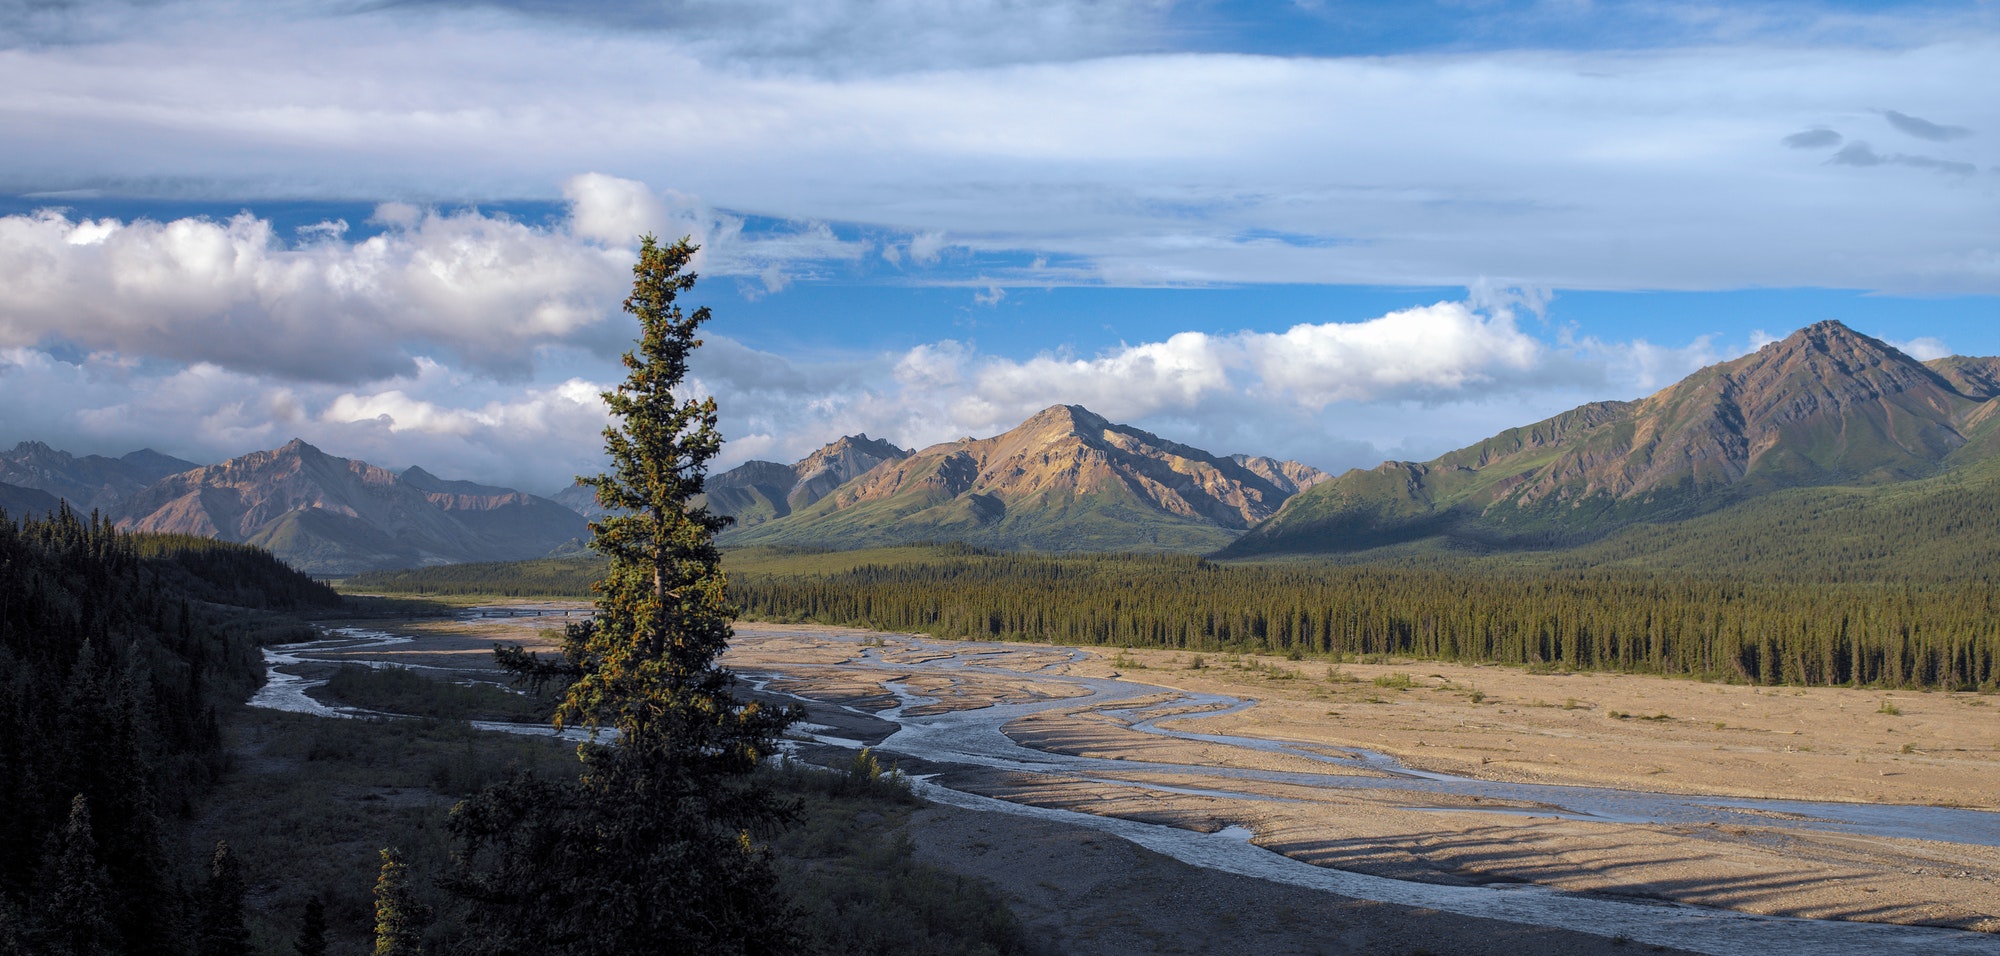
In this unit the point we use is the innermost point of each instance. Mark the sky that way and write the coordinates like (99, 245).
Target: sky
(1336, 232)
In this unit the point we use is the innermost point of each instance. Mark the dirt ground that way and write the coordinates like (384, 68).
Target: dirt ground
(1087, 894)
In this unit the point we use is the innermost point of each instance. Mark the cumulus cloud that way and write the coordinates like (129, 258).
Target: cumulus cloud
(1411, 383)
(484, 289)
(616, 211)
(926, 246)
(231, 293)
(1923, 128)
(1414, 382)
(1439, 349)
(1923, 348)
(459, 426)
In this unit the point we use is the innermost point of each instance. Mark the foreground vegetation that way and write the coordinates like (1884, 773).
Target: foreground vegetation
(309, 803)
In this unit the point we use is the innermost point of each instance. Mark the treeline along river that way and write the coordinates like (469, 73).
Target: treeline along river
(1885, 634)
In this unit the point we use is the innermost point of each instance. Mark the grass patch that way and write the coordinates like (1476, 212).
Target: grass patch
(308, 802)
(397, 690)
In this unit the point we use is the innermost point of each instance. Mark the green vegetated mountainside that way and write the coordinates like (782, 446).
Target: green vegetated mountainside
(117, 656)
(17, 500)
(1785, 451)
(1064, 480)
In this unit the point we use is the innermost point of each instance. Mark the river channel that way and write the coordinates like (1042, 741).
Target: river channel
(924, 728)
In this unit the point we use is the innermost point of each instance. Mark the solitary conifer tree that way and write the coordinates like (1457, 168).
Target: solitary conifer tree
(74, 900)
(222, 929)
(649, 851)
(312, 929)
(399, 917)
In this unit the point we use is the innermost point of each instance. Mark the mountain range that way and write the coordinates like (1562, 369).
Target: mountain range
(1826, 406)
(320, 513)
(34, 476)
(1733, 447)
(1064, 480)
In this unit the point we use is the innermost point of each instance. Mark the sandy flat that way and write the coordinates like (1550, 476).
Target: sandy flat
(1503, 724)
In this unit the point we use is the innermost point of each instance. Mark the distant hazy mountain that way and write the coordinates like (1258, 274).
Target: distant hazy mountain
(757, 491)
(19, 502)
(1291, 477)
(92, 482)
(1826, 406)
(580, 499)
(331, 515)
(1065, 479)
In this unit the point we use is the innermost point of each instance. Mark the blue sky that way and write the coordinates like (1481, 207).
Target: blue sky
(1332, 231)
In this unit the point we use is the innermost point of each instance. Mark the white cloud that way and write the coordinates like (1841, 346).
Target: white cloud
(1616, 169)
(1415, 382)
(231, 293)
(1410, 384)
(1439, 349)
(534, 438)
(485, 289)
(617, 211)
(1923, 348)
(925, 247)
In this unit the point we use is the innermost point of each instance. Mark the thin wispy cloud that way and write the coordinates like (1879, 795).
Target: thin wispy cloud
(1925, 129)
(1605, 169)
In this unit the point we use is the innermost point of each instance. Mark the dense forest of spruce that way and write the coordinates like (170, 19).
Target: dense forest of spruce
(1943, 635)
(1526, 610)
(117, 653)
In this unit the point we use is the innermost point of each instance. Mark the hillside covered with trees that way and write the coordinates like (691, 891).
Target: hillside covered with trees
(118, 652)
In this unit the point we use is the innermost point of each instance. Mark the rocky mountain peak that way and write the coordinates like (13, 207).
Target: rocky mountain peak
(1074, 419)
(1066, 478)
(1826, 405)
(328, 514)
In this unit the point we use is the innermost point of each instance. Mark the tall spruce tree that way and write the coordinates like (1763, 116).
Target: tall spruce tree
(399, 916)
(649, 850)
(312, 929)
(222, 930)
(74, 900)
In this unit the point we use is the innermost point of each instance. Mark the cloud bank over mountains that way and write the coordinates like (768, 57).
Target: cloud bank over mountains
(477, 344)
